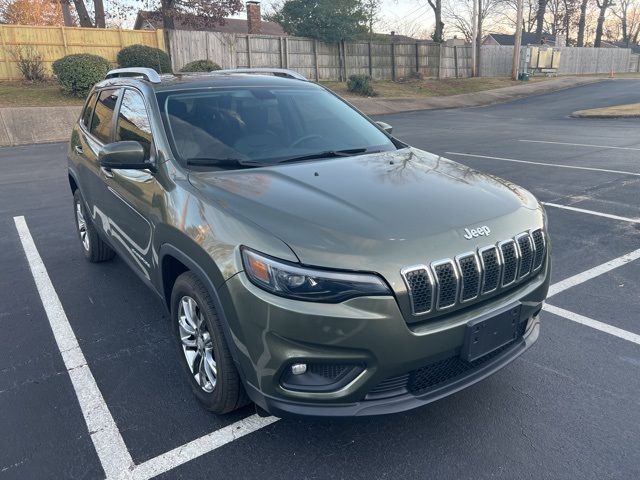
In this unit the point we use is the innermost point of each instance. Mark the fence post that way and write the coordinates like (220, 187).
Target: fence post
(370, 61)
(249, 51)
(64, 40)
(281, 51)
(206, 43)
(5, 54)
(455, 59)
(344, 54)
(286, 52)
(417, 57)
(315, 59)
(439, 60)
(393, 61)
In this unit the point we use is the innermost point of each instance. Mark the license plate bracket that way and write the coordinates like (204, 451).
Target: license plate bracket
(486, 334)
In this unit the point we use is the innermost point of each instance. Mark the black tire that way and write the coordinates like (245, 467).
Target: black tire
(228, 394)
(94, 248)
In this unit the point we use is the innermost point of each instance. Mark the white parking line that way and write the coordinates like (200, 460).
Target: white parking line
(573, 167)
(580, 145)
(196, 448)
(582, 277)
(589, 322)
(592, 212)
(112, 451)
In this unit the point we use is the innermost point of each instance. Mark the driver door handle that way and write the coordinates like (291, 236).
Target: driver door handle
(78, 149)
(106, 172)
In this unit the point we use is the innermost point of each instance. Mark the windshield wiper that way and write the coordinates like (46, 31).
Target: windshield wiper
(327, 154)
(222, 162)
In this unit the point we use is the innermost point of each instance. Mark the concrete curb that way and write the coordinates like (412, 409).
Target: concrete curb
(29, 125)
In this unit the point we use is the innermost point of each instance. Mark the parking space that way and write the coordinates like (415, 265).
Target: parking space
(569, 408)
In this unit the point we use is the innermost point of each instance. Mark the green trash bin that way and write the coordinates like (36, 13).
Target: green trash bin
(524, 77)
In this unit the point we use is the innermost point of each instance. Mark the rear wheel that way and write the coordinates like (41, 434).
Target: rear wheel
(201, 344)
(94, 248)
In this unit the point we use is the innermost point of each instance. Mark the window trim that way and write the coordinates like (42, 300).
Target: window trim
(87, 130)
(152, 149)
(84, 109)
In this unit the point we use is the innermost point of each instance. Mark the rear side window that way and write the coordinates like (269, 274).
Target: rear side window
(133, 121)
(103, 116)
(88, 110)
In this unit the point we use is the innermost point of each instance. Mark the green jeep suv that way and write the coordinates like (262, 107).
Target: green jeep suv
(310, 262)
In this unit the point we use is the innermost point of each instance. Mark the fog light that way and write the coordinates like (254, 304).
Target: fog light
(298, 368)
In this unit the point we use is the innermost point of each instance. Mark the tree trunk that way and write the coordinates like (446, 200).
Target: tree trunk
(168, 14)
(438, 33)
(581, 23)
(599, 28)
(66, 13)
(542, 8)
(98, 6)
(479, 52)
(83, 15)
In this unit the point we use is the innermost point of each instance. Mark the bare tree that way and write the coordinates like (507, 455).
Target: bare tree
(438, 32)
(603, 5)
(628, 14)
(582, 23)
(458, 15)
(542, 8)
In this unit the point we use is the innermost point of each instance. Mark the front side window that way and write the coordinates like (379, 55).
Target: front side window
(88, 110)
(133, 121)
(103, 115)
(265, 125)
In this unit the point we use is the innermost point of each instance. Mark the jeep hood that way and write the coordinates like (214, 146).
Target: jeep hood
(376, 212)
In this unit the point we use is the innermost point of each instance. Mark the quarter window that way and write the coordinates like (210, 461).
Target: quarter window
(88, 110)
(103, 116)
(133, 121)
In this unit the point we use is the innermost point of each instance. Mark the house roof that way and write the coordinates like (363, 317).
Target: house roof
(527, 38)
(147, 20)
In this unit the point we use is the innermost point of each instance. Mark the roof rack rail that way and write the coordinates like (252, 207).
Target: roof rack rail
(276, 72)
(149, 74)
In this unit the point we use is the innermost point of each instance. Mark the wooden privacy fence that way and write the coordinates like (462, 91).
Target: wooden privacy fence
(496, 60)
(318, 60)
(55, 42)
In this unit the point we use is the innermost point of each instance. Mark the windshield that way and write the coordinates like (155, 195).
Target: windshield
(257, 126)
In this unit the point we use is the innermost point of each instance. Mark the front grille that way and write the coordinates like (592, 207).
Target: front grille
(447, 282)
(435, 375)
(539, 246)
(474, 275)
(509, 254)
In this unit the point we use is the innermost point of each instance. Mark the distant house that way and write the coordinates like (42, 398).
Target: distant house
(527, 39)
(253, 24)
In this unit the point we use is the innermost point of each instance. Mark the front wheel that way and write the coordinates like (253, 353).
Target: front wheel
(206, 358)
(94, 248)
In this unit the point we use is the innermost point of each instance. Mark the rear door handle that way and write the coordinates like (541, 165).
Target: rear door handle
(106, 172)
(78, 149)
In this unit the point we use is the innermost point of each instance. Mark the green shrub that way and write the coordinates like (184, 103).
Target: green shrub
(362, 85)
(200, 66)
(77, 73)
(143, 56)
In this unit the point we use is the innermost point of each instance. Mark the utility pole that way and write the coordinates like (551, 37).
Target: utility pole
(474, 38)
(517, 41)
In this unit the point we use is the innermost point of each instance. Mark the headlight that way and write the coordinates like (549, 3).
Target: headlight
(308, 284)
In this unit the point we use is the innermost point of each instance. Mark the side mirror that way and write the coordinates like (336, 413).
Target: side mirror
(386, 127)
(126, 155)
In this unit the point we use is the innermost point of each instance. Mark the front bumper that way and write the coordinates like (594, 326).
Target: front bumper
(270, 333)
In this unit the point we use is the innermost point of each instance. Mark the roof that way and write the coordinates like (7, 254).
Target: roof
(194, 81)
(527, 38)
(147, 20)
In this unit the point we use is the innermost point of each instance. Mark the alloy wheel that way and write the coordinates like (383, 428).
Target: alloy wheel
(82, 226)
(197, 344)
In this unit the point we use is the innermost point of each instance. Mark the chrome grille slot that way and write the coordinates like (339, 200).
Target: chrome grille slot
(525, 251)
(447, 284)
(509, 254)
(474, 275)
(491, 269)
(420, 287)
(539, 244)
(469, 268)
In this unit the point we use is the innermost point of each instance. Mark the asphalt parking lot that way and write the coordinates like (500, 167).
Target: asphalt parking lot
(569, 408)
